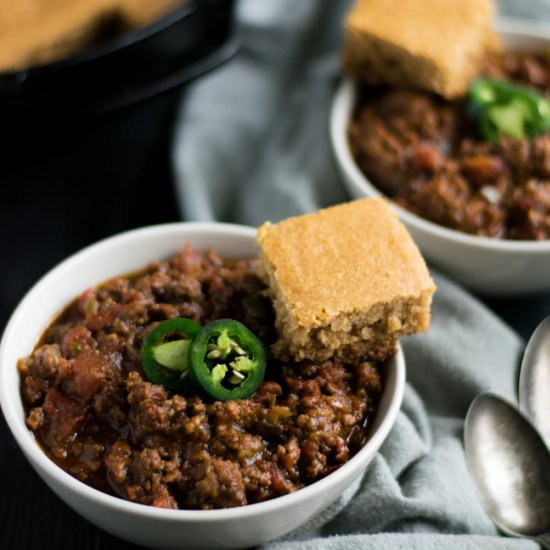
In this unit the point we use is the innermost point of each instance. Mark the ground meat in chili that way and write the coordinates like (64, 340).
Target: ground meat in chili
(98, 418)
(425, 153)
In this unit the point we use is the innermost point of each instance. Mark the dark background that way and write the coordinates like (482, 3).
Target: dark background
(64, 185)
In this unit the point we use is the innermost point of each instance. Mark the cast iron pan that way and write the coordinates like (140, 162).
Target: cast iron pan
(138, 64)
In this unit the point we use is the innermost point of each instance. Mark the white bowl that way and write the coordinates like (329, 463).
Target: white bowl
(159, 528)
(490, 266)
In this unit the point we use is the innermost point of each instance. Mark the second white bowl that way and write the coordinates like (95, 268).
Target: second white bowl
(490, 266)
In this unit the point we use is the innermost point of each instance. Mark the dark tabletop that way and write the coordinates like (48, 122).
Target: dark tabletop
(63, 186)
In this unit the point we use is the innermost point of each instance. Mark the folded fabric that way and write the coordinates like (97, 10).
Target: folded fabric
(419, 482)
(251, 145)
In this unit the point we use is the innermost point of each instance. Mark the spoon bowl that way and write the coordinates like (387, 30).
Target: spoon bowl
(534, 381)
(511, 467)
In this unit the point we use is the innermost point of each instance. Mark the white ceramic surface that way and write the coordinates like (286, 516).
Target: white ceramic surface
(486, 265)
(232, 528)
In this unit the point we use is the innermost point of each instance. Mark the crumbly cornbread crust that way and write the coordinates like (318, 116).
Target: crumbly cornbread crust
(346, 282)
(436, 45)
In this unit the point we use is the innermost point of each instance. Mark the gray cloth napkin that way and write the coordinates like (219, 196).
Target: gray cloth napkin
(251, 145)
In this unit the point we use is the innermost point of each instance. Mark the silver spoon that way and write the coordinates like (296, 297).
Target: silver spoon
(534, 380)
(511, 466)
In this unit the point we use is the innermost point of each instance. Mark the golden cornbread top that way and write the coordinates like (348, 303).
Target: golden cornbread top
(440, 30)
(341, 260)
(42, 30)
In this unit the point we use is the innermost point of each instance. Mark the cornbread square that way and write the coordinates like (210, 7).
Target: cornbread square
(437, 45)
(346, 282)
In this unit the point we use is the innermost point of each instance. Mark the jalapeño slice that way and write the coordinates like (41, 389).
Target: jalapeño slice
(506, 109)
(165, 352)
(227, 360)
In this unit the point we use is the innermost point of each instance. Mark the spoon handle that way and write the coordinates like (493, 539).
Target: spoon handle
(544, 541)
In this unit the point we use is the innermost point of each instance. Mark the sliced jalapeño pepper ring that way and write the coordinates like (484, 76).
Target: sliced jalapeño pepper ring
(227, 360)
(508, 109)
(165, 352)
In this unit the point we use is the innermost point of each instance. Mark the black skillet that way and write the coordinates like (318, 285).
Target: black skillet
(127, 68)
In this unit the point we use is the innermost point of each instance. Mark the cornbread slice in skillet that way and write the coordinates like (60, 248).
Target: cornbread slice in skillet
(346, 282)
(436, 45)
(41, 31)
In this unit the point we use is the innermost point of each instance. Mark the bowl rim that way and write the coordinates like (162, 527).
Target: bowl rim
(36, 455)
(342, 106)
